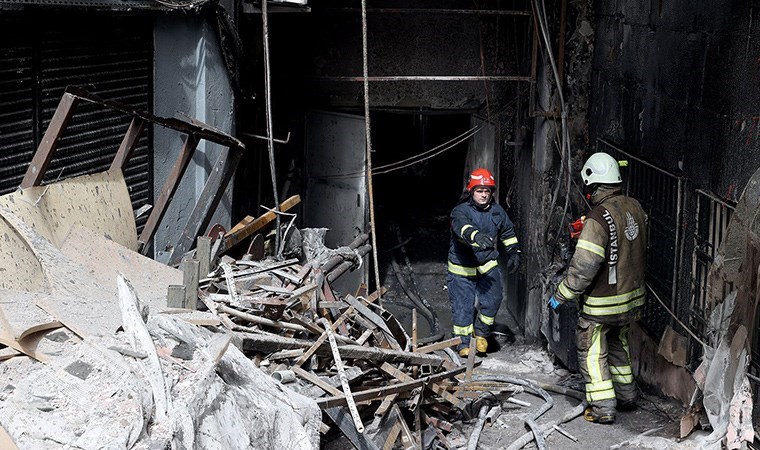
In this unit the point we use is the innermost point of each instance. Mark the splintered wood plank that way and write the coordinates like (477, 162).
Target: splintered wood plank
(237, 234)
(316, 381)
(439, 345)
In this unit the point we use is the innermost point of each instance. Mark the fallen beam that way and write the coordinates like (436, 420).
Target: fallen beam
(270, 344)
(236, 235)
(381, 392)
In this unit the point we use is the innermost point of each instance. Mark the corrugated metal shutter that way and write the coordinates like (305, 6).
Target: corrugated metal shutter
(111, 57)
(17, 141)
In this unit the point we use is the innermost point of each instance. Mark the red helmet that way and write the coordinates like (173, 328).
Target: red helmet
(481, 177)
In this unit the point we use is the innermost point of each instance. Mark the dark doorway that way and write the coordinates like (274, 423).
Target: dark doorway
(418, 163)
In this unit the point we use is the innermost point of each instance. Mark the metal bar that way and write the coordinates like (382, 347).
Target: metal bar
(414, 329)
(167, 191)
(200, 129)
(377, 393)
(260, 320)
(635, 158)
(678, 250)
(435, 387)
(270, 126)
(265, 138)
(716, 199)
(342, 374)
(561, 49)
(128, 143)
(477, 12)
(45, 150)
(318, 343)
(428, 78)
(316, 381)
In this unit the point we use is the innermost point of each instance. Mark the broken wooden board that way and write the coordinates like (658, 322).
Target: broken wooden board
(248, 227)
(104, 259)
(99, 202)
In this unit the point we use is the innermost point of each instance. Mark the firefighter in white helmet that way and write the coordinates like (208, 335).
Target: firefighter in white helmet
(606, 277)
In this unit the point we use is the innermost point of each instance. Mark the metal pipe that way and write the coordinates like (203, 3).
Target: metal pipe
(270, 138)
(429, 78)
(472, 443)
(368, 154)
(345, 265)
(479, 12)
(331, 263)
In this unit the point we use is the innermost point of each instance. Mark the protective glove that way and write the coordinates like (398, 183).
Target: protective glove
(484, 241)
(553, 303)
(513, 263)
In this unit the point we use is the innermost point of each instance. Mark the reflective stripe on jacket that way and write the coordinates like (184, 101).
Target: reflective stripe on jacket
(609, 261)
(466, 258)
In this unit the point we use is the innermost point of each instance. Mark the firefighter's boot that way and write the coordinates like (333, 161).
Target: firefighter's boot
(599, 414)
(481, 344)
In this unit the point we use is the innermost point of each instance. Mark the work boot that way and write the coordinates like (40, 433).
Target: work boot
(464, 352)
(481, 344)
(599, 414)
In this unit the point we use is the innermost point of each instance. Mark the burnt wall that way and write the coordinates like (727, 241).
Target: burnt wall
(309, 48)
(677, 84)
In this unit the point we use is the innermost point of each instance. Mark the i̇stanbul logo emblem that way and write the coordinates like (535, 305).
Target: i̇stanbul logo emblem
(631, 228)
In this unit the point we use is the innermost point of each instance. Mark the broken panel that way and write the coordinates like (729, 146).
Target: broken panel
(336, 193)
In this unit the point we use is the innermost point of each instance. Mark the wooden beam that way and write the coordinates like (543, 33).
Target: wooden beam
(167, 191)
(269, 344)
(234, 237)
(435, 387)
(213, 191)
(316, 381)
(36, 170)
(128, 143)
(378, 393)
(439, 345)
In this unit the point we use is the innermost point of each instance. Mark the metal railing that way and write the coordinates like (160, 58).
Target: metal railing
(711, 223)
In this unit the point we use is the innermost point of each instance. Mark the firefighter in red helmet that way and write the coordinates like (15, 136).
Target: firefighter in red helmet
(479, 226)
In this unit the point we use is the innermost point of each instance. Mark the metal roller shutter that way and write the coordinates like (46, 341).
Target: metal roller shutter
(107, 55)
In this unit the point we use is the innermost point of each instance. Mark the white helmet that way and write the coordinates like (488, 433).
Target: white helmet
(601, 168)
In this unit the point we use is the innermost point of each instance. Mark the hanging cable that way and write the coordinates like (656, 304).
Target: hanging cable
(270, 140)
(368, 151)
(420, 157)
(565, 157)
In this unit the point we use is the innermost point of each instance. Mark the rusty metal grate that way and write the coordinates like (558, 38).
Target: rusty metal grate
(661, 194)
(711, 222)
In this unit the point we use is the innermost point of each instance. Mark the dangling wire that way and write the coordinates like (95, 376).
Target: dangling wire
(367, 130)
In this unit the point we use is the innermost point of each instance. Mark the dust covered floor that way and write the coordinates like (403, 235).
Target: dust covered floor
(426, 245)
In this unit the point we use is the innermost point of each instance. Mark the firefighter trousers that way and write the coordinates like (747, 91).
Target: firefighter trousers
(605, 362)
(462, 293)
